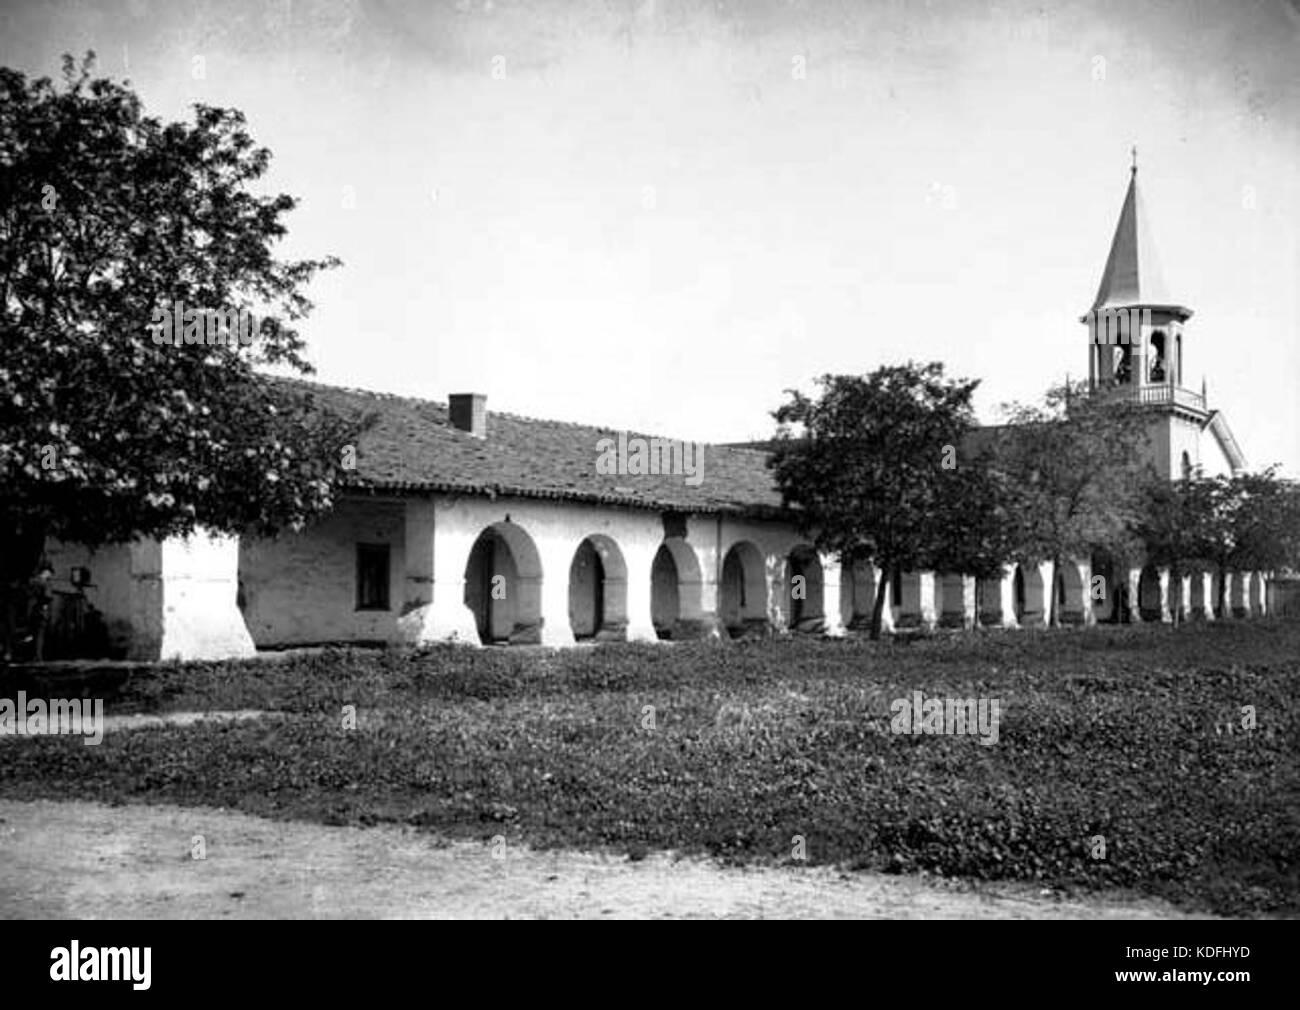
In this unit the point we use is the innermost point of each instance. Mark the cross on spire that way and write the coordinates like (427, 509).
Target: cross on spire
(1135, 159)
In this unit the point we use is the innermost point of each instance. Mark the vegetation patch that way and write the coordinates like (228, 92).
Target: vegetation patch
(1134, 757)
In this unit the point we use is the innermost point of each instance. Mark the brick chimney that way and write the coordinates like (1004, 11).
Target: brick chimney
(469, 413)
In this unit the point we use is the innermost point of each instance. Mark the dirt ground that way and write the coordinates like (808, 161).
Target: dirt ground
(90, 861)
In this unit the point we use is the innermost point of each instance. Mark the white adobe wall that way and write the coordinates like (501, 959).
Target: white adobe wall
(300, 588)
(173, 599)
(183, 599)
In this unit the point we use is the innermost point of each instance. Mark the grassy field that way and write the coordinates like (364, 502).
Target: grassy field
(1130, 735)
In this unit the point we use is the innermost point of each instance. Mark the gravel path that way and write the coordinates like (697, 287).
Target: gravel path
(91, 861)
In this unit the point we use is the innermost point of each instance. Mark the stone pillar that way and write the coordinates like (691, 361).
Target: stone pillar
(1180, 607)
(1133, 581)
(1165, 616)
(929, 617)
(183, 599)
(887, 613)
(639, 560)
(556, 554)
(433, 604)
(831, 575)
(1006, 592)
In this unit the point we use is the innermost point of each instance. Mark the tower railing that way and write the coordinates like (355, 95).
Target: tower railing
(1153, 393)
(1176, 395)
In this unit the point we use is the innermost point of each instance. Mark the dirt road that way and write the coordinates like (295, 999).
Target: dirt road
(85, 860)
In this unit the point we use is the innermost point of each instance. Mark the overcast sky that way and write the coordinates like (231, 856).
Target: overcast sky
(660, 215)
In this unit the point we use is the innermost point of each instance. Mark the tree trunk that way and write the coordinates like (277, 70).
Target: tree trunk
(878, 608)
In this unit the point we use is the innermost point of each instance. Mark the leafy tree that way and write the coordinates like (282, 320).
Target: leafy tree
(108, 217)
(871, 467)
(1075, 466)
(1245, 522)
(1173, 524)
(1251, 522)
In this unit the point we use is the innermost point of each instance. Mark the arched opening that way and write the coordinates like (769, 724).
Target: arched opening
(1027, 586)
(1257, 593)
(1178, 358)
(1071, 595)
(1177, 612)
(855, 595)
(988, 601)
(503, 586)
(1159, 369)
(1219, 599)
(1122, 364)
(1196, 597)
(1149, 594)
(676, 592)
(951, 604)
(1108, 589)
(803, 591)
(742, 601)
(908, 605)
(1186, 466)
(858, 587)
(1239, 594)
(598, 591)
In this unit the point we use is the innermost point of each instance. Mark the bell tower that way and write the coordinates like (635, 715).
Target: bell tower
(1136, 347)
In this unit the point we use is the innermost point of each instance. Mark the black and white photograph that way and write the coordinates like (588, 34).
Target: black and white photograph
(650, 460)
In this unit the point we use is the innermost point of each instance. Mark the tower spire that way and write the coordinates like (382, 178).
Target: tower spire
(1132, 275)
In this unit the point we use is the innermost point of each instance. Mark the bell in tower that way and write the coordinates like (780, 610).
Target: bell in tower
(1135, 328)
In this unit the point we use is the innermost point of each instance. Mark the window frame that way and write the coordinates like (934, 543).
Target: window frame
(372, 551)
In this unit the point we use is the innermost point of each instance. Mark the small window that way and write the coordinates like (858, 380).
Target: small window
(372, 576)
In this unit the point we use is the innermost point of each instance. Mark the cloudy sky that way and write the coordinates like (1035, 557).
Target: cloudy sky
(659, 215)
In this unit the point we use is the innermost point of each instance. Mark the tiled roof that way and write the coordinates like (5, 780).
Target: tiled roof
(414, 447)
(975, 441)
